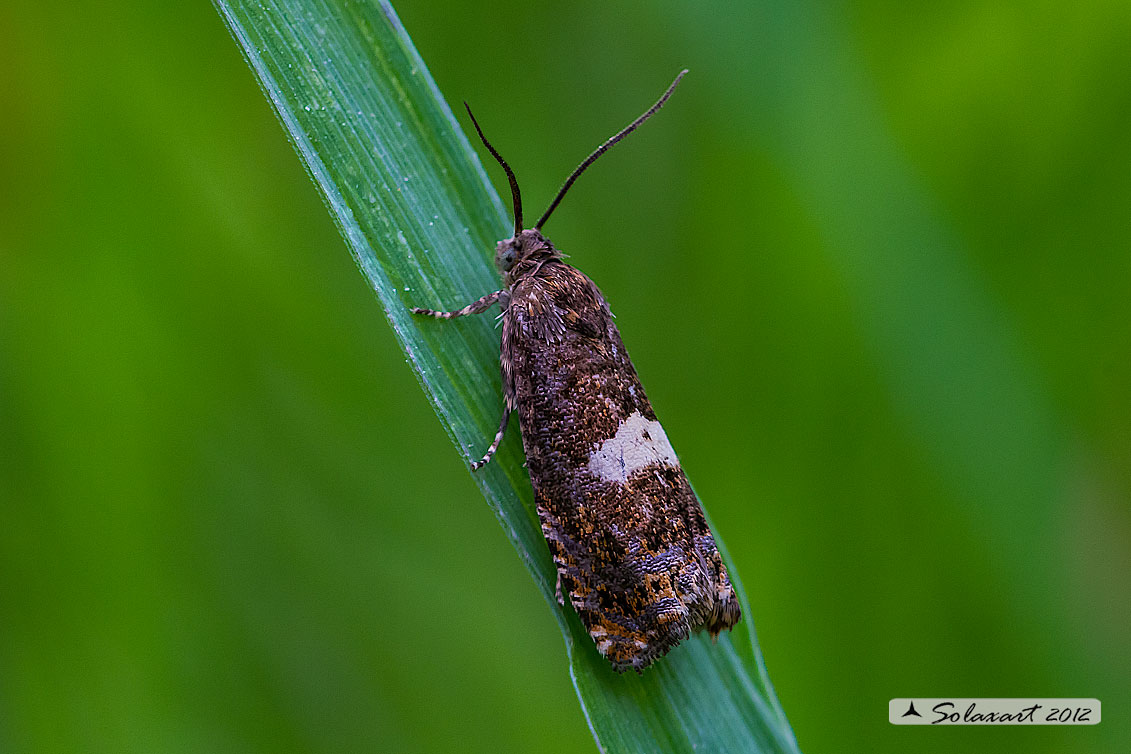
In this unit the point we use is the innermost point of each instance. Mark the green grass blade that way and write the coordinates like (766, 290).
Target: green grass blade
(421, 220)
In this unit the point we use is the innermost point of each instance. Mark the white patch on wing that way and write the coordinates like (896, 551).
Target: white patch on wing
(638, 443)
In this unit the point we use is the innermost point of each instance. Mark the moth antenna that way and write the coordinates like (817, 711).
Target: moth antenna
(516, 196)
(599, 150)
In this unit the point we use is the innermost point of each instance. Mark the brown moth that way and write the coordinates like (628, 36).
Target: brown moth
(632, 547)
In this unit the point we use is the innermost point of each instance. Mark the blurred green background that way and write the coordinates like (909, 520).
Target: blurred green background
(873, 263)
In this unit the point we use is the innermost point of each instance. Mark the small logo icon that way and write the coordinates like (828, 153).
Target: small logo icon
(911, 710)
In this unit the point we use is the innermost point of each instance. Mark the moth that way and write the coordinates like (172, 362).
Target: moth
(632, 547)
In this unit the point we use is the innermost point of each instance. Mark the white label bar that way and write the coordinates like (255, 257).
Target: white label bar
(991, 711)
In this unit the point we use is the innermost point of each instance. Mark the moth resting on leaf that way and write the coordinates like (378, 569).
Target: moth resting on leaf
(632, 547)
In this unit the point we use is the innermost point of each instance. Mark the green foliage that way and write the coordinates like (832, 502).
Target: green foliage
(418, 215)
(871, 264)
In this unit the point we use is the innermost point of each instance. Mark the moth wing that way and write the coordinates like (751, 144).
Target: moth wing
(626, 532)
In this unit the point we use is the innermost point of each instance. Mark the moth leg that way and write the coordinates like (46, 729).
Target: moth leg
(473, 308)
(558, 590)
(495, 444)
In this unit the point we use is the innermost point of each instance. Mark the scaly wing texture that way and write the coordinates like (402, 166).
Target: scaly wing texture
(628, 535)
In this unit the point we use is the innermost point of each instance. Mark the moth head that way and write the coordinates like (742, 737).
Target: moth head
(510, 251)
(506, 254)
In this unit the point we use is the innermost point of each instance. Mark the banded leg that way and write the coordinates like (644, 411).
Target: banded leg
(495, 443)
(473, 308)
